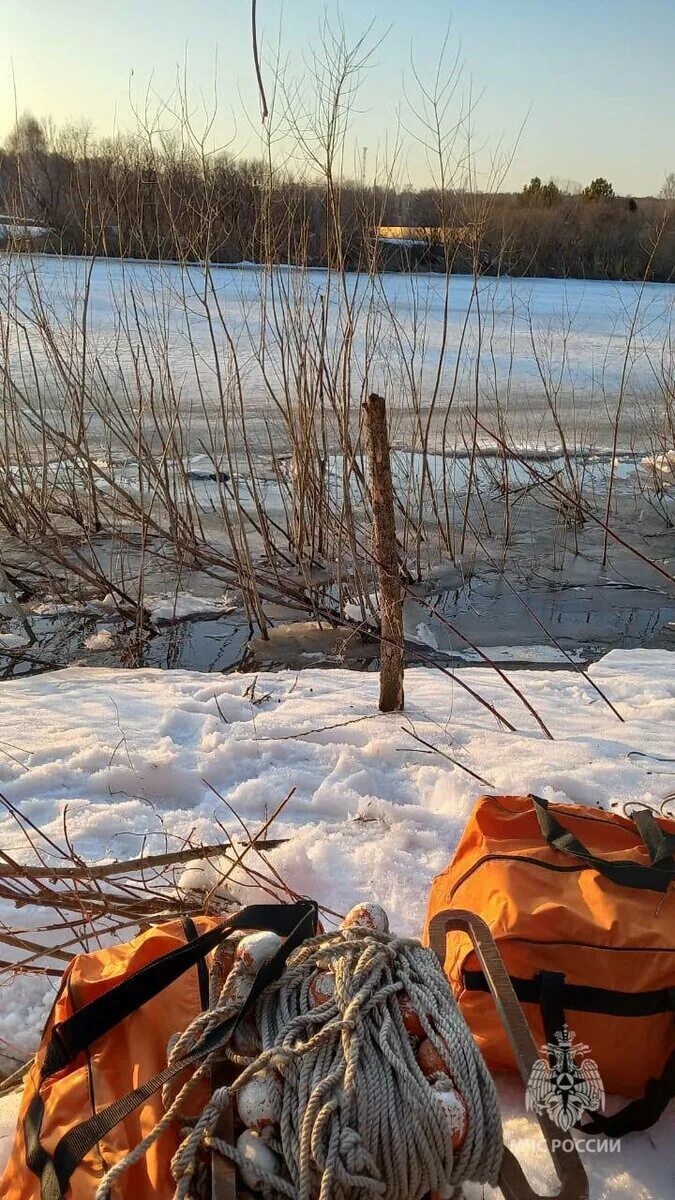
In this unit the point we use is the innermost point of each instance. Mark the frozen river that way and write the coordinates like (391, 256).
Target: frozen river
(531, 344)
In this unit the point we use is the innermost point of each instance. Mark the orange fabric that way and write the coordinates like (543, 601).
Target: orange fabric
(576, 921)
(131, 1053)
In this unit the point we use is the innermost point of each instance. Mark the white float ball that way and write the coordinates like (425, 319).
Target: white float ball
(456, 1113)
(259, 1101)
(370, 916)
(257, 1160)
(258, 948)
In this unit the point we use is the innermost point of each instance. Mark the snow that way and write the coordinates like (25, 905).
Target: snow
(173, 606)
(19, 231)
(56, 608)
(130, 755)
(581, 328)
(12, 640)
(425, 635)
(661, 464)
(103, 639)
(8, 1107)
(408, 242)
(523, 654)
(202, 467)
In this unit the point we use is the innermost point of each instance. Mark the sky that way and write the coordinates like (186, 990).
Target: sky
(569, 89)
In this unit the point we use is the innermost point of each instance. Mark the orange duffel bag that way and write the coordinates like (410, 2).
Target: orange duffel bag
(582, 907)
(94, 1090)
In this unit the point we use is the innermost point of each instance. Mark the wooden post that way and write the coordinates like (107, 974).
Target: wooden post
(386, 555)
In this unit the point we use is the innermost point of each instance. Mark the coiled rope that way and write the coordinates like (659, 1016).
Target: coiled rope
(357, 1117)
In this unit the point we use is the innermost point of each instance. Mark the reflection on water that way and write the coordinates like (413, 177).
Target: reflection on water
(539, 624)
(585, 620)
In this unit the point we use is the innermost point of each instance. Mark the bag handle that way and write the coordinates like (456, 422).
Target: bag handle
(654, 877)
(660, 845)
(72, 1036)
(55, 1171)
(191, 935)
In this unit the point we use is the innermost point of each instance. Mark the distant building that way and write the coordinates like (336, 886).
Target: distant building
(414, 247)
(422, 235)
(428, 247)
(20, 233)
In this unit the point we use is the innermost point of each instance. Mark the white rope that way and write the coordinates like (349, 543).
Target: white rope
(359, 1119)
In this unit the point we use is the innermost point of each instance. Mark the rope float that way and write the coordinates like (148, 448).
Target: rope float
(358, 1076)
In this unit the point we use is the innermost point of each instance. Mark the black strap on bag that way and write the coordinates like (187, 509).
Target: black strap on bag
(656, 876)
(549, 990)
(552, 1004)
(191, 935)
(660, 845)
(554, 996)
(296, 922)
(97, 1018)
(641, 1113)
(638, 1114)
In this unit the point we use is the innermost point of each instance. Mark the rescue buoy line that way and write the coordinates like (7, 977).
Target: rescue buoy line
(364, 1080)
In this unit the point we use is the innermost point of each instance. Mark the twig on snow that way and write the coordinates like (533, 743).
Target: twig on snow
(437, 750)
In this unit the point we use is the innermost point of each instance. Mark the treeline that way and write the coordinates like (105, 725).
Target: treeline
(129, 197)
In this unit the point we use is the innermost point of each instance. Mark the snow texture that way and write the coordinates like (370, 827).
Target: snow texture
(173, 606)
(373, 815)
(19, 230)
(523, 654)
(103, 639)
(662, 465)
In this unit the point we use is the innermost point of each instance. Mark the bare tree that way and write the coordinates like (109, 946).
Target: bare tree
(27, 137)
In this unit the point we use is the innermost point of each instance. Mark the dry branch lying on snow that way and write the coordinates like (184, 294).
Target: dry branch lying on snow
(88, 902)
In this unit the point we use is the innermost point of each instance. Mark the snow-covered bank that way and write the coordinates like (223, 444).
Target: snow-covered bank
(375, 814)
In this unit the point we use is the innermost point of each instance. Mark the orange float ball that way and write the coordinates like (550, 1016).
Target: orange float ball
(322, 988)
(430, 1060)
(411, 1017)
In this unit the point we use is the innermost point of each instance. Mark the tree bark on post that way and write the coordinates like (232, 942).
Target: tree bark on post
(386, 555)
